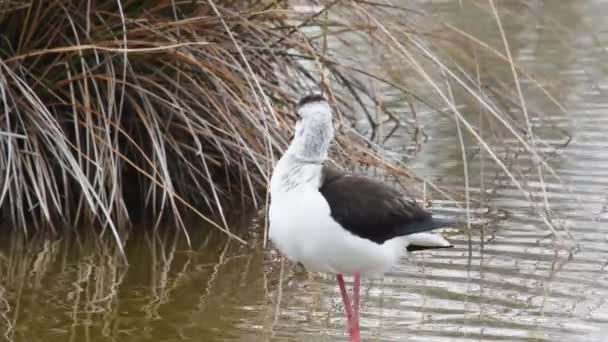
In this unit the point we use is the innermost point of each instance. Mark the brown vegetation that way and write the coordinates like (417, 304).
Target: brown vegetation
(107, 107)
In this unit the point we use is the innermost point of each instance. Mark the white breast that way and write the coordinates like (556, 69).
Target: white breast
(296, 223)
(302, 228)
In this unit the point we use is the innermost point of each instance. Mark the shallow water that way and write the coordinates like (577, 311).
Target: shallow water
(512, 285)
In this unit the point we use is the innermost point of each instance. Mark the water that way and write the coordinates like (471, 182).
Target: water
(513, 285)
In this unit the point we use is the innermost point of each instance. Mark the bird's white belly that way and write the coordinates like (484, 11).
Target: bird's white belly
(302, 229)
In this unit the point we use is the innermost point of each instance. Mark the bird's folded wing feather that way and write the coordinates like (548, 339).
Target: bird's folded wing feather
(371, 209)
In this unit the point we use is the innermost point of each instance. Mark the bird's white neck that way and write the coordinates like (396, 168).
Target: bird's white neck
(302, 162)
(293, 172)
(311, 140)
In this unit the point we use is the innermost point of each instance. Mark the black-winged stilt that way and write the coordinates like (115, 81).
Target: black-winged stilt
(339, 223)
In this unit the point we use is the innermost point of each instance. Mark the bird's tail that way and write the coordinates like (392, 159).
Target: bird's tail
(432, 224)
(422, 241)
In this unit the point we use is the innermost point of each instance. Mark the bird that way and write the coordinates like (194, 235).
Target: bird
(340, 223)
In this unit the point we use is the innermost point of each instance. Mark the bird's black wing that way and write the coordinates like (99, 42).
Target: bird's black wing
(371, 209)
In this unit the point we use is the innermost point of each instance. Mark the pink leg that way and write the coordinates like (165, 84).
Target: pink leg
(356, 301)
(347, 307)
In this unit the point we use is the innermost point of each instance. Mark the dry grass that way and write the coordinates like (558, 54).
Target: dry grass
(108, 108)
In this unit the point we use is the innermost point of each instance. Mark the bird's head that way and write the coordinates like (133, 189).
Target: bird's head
(314, 130)
(313, 113)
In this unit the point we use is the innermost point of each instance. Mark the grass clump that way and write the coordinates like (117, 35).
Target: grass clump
(109, 107)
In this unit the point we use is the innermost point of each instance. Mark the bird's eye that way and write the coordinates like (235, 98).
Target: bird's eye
(298, 117)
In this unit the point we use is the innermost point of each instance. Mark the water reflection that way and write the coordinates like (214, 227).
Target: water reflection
(81, 290)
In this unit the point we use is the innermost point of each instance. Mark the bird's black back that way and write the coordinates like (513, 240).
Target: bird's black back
(371, 209)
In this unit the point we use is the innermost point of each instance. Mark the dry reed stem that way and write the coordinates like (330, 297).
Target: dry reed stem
(108, 107)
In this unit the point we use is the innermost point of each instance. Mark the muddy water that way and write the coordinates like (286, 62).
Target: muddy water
(512, 285)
